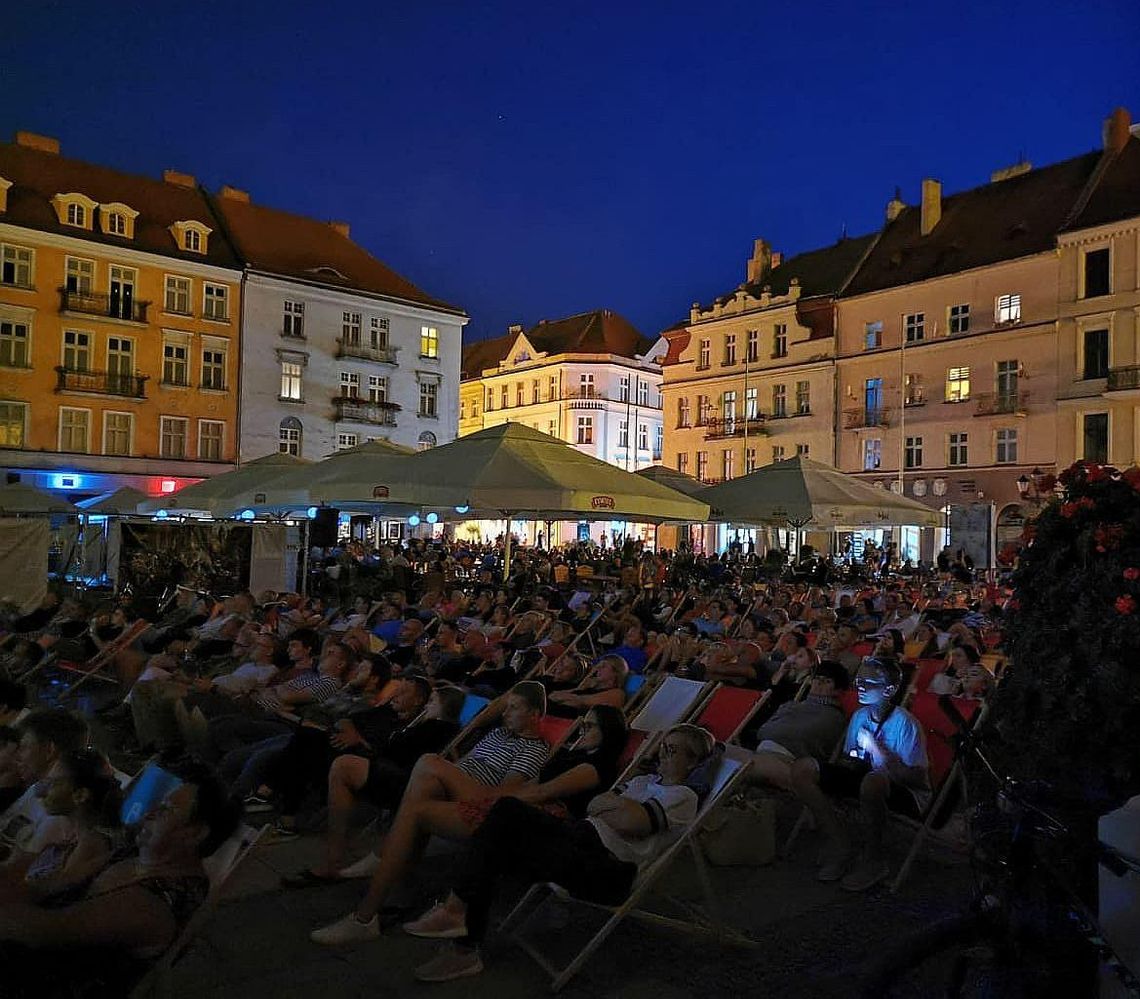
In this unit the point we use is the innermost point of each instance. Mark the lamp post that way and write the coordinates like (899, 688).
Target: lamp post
(1029, 487)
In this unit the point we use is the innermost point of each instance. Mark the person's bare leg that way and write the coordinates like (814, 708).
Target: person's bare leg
(805, 785)
(873, 794)
(347, 776)
(436, 779)
(771, 770)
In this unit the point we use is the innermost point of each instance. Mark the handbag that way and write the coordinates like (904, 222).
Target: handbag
(741, 832)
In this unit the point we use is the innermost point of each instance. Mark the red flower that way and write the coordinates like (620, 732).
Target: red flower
(1068, 510)
(1125, 605)
(1132, 573)
(1098, 472)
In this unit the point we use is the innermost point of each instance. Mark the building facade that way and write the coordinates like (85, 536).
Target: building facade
(120, 305)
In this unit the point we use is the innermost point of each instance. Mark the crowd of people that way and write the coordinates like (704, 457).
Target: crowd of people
(302, 708)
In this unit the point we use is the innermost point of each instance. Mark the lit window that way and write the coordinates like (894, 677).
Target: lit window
(177, 297)
(12, 419)
(216, 302)
(290, 380)
(429, 341)
(872, 454)
(172, 436)
(959, 449)
(752, 403)
(211, 438)
(957, 384)
(1008, 309)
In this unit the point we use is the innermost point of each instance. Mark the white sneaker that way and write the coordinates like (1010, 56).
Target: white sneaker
(438, 923)
(363, 868)
(348, 930)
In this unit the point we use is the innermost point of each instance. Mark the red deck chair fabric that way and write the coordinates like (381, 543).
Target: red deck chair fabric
(862, 649)
(925, 671)
(632, 745)
(727, 710)
(940, 731)
(553, 729)
(849, 701)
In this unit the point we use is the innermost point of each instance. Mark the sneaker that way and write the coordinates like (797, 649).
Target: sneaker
(363, 868)
(451, 962)
(834, 865)
(438, 923)
(867, 874)
(281, 833)
(254, 804)
(348, 930)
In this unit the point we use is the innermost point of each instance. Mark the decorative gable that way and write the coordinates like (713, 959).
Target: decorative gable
(522, 351)
(117, 219)
(75, 209)
(191, 235)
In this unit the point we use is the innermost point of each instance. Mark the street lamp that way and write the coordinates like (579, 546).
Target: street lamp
(1029, 487)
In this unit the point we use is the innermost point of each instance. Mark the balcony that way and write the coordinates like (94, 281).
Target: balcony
(865, 418)
(584, 399)
(89, 303)
(101, 383)
(1124, 378)
(1002, 404)
(718, 429)
(380, 414)
(366, 352)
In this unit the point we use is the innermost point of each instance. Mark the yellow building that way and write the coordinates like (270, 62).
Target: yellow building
(119, 326)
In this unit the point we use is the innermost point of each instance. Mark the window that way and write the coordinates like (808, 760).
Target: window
(683, 462)
(753, 346)
(959, 449)
(702, 465)
(749, 460)
(122, 286)
(350, 328)
(553, 386)
(728, 410)
(752, 403)
(490, 400)
(429, 399)
(76, 350)
(704, 410)
(120, 363)
(623, 433)
(349, 385)
(705, 356)
(117, 432)
(80, 276)
(16, 266)
(623, 389)
(1005, 451)
(780, 340)
(643, 437)
(658, 442)
(727, 464)
(959, 319)
(872, 453)
(1098, 273)
(462, 410)
(912, 452)
(777, 452)
(345, 441)
(216, 302)
(378, 331)
(74, 430)
(957, 384)
(177, 298)
(77, 215)
(504, 396)
(12, 418)
(730, 349)
(291, 382)
(211, 438)
(682, 412)
(803, 450)
(429, 341)
(116, 224)
(535, 391)
(378, 390)
(192, 241)
(1095, 436)
(290, 432)
(551, 428)
(426, 441)
(642, 393)
(175, 369)
(586, 386)
(13, 343)
(1008, 309)
(779, 401)
(519, 394)
(585, 430)
(913, 391)
(873, 335)
(1006, 382)
(293, 319)
(914, 326)
(172, 436)
(1096, 354)
(213, 369)
(803, 398)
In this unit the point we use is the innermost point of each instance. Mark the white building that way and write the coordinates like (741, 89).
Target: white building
(591, 380)
(338, 349)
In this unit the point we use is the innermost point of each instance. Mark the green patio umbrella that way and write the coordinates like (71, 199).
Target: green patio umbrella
(18, 498)
(217, 495)
(121, 502)
(663, 475)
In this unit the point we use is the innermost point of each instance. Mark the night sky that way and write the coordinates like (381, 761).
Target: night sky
(530, 160)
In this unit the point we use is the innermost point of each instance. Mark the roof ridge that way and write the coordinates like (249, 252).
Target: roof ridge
(1108, 156)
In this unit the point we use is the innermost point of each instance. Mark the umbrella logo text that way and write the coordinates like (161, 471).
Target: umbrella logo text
(379, 492)
(602, 502)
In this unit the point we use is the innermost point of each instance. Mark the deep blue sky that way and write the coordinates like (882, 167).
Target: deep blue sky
(529, 160)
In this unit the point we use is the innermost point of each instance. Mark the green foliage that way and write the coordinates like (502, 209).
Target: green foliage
(1069, 706)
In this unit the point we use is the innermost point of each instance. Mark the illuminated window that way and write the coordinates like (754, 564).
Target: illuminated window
(1008, 309)
(957, 384)
(429, 341)
(13, 416)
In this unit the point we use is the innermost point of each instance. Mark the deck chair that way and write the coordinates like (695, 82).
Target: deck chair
(707, 920)
(671, 703)
(473, 706)
(555, 730)
(220, 867)
(93, 668)
(728, 709)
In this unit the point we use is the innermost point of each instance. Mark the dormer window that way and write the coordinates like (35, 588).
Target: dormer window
(191, 236)
(118, 219)
(74, 209)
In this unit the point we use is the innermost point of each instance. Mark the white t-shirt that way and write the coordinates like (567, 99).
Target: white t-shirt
(27, 825)
(671, 808)
(246, 678)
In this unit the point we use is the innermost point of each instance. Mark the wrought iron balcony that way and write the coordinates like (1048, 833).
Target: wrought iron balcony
(717, 428)
(1002, 404)
(101, 382)
(366, 352)
(1124, 378)
(865, 418)
(382, 414)
(91, 303)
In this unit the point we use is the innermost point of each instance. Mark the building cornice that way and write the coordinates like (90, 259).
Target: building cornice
(335, 294)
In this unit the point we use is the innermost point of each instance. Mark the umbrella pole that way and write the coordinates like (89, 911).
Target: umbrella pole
(507, 550)
(305, 558)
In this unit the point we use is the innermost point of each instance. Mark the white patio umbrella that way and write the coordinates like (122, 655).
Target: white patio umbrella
(216, 496)
(20, 499)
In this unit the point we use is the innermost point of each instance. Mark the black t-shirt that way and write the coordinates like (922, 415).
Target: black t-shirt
(566, 760)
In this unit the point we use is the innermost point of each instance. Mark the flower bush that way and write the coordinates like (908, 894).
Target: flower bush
(1069, 707)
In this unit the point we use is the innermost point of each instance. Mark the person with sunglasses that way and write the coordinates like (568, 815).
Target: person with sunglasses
(883, 764)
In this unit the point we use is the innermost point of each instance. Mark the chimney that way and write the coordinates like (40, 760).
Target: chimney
(1117, 130)
(760, 263)
(1005, 173)
(895, 206)
(179, 179)
(44, 143)
(234, 194)
(514, 329)
(777, 259)
(931, 205)
(341, 227)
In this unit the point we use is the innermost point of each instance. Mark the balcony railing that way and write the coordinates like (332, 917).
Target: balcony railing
(858, 419)
(717, 428)
(101, 382)
(382, 414)
(366, 352)
(1002, 404)
(587, 399)
(111, 306)
(1124, 378)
